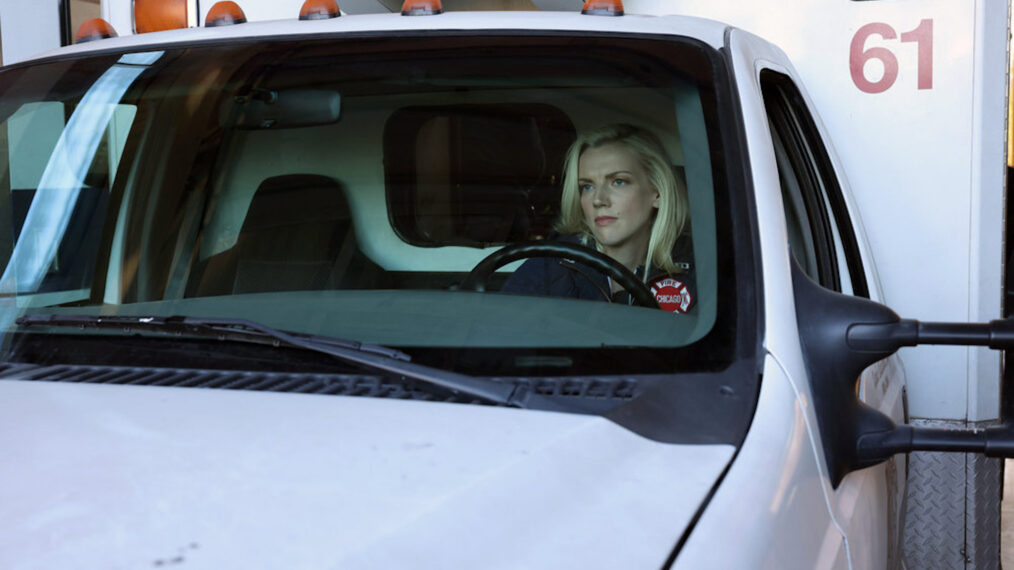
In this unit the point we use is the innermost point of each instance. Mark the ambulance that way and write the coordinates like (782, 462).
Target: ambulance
(253, 252)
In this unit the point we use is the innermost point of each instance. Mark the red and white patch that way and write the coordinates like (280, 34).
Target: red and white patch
(672, 295)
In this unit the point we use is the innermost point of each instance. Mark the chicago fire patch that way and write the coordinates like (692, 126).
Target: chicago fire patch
(672, 295)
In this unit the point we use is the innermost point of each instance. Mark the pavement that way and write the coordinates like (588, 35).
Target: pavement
(1007, 517)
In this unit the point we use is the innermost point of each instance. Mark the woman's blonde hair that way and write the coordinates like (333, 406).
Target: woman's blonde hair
(671, 217)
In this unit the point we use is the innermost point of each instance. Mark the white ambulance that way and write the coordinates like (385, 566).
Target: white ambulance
(257, 306)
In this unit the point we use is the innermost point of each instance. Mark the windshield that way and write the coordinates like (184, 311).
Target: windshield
(347, 187)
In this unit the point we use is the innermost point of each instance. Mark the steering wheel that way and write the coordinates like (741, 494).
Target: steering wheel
(476, 279)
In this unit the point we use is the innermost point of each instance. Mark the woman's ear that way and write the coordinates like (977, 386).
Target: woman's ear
(658, 198)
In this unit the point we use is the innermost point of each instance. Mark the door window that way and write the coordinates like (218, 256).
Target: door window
(821, 237)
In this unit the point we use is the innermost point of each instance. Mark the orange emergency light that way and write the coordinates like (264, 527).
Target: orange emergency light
(94, 29)
(158, 15)
(603, 8)
(225, 13)
(421, 8)
(319, 10)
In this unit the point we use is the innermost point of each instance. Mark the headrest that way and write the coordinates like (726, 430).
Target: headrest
(294, 199)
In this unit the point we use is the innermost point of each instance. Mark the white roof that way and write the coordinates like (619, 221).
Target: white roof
(707, 31)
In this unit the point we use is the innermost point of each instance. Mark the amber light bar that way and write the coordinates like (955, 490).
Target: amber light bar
(159, 15)
(421, 8)
(319, 10)
(603, 8)
(94, 29)
(225, 13)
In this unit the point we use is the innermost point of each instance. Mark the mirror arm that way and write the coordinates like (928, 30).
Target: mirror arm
(890, 336)
(874, 448)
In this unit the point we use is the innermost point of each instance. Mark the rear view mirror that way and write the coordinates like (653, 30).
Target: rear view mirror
(280, 109)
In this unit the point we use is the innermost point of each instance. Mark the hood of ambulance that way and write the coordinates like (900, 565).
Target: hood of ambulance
(106, 476)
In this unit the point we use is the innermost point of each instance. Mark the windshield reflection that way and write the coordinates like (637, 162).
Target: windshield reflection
(63, 178)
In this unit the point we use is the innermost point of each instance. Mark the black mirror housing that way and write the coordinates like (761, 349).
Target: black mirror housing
(842, 335)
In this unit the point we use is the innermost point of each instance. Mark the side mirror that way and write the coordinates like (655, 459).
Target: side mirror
(842, 335)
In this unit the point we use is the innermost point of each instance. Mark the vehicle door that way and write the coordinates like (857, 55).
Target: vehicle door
(831, 250)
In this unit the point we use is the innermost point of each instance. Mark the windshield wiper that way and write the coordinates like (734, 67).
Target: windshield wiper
(517, 394)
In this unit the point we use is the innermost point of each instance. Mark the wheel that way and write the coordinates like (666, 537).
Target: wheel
(477, 278)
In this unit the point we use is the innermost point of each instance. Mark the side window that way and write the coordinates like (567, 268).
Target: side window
(47, 160)
(820, 234)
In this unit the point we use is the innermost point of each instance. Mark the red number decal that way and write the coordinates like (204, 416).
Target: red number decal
(859, 56)
(923, 35)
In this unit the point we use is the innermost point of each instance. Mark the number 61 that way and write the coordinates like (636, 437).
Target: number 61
(858, 56)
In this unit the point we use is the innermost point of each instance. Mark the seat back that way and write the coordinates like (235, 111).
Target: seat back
(296, 235)
(292, 234)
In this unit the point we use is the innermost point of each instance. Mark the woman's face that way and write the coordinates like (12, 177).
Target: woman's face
(618, 201)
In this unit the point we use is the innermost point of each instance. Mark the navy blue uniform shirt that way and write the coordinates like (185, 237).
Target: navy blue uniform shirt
(557, 277)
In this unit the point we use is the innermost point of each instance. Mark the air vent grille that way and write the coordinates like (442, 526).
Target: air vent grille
(332, 384)
(608, 389)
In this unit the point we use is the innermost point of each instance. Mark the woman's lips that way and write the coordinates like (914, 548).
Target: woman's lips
(604, 220)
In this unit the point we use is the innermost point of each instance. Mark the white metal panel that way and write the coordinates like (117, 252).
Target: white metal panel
(769, 511)
(112, 476)
(119, 14)
(781, 335)
(866, 503)
(860, 504)
(28, 27)
(985, 252)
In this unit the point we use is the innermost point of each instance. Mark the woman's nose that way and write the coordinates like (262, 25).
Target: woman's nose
(600, 197)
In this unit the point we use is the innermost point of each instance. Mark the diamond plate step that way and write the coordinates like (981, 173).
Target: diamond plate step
(953, 509)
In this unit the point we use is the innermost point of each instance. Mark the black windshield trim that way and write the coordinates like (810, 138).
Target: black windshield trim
(697, 408)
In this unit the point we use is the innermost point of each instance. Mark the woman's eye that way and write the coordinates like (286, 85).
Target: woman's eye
(585, 187)
(619, 182)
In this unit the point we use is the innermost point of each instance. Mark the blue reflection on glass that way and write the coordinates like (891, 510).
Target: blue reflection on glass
(64, 174)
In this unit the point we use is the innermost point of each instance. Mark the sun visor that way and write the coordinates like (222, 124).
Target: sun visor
(271, 109)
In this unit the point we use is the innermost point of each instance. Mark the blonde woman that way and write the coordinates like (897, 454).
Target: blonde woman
(620, 196)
